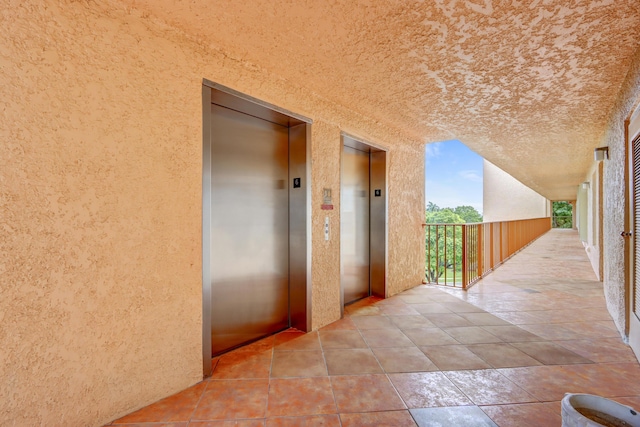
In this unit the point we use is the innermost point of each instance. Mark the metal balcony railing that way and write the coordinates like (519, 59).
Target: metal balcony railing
(461, 254)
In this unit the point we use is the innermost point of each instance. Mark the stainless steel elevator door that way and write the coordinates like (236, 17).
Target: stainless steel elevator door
(249, 228)
(354, 224)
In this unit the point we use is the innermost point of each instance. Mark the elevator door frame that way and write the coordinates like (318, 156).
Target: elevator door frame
(378, 213)
(299, 204)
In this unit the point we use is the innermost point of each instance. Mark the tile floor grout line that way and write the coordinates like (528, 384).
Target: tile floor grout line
(266, 406)
(195, 408)
(335, 401)
(326, 365)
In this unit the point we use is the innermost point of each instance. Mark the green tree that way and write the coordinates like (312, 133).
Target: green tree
(443, 245)
(468, 213)
(443, 216)
(432, 207)
(562, 215)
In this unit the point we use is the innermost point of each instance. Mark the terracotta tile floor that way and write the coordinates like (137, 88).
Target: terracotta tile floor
(503, 353)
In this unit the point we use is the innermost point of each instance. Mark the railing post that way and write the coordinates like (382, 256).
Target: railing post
(437, 268)
(445, 254)
(427, 245)
(455, 266)
(501, 243)
(464, 256)
(480, 248)
(492, 251)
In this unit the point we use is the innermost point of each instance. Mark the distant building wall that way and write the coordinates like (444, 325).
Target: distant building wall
(505, 198)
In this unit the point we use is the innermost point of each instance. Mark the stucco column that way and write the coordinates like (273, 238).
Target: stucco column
(573, 215)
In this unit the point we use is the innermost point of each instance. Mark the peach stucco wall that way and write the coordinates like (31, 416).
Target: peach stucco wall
(100, 206)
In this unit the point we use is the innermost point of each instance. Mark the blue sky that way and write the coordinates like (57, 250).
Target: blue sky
(453, 175)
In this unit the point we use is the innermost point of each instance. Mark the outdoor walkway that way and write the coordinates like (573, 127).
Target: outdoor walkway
(504, 353)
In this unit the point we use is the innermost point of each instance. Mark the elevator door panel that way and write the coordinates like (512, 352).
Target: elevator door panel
(249, 223)
(354, 224)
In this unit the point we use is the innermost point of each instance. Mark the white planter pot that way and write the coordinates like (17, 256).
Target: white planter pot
(606, 411)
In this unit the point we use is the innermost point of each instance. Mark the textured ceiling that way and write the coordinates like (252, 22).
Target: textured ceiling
(526, 84)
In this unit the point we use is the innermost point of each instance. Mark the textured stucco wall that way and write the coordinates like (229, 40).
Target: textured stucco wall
(325, 294)
(100, 170)
(406, 235)
(582, 213)
(614, 196)
(589, 202)
(504, 198)
(598, 222)
(100, 205)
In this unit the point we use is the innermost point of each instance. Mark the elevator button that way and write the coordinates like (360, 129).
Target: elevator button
(326, 228)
